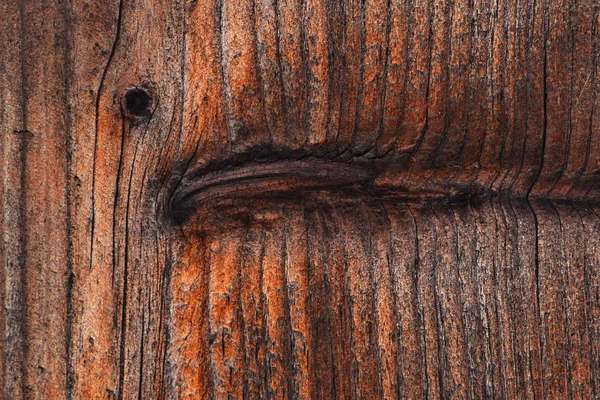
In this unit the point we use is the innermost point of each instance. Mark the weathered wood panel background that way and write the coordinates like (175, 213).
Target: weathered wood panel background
(316, 199)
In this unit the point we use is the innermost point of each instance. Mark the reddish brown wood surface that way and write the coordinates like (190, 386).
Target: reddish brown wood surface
(299, 199)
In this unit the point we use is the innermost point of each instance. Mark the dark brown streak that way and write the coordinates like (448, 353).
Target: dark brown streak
(68, 71)
(97, 122)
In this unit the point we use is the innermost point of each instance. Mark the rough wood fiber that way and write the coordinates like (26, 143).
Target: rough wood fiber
(428, 299)
(321, 199)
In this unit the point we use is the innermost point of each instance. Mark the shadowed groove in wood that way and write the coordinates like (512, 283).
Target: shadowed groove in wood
(274, 177)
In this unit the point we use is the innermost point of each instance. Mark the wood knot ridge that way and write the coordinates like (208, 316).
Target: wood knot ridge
(261, 179)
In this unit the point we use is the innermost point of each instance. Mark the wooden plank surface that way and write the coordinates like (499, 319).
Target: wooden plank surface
(299, 199)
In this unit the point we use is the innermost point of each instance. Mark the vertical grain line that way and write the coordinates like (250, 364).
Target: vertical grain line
(97, 123)
(68, 72)
(22, 223)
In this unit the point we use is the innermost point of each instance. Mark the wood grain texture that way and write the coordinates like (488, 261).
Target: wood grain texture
(407, 299)
(317, 199)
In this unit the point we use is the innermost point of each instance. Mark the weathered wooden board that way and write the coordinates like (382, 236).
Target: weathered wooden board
(299, 199)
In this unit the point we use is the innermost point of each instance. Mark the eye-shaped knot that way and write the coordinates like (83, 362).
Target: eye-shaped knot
(137, 103)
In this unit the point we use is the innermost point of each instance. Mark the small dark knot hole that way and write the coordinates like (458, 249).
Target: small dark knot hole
(137, 102)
